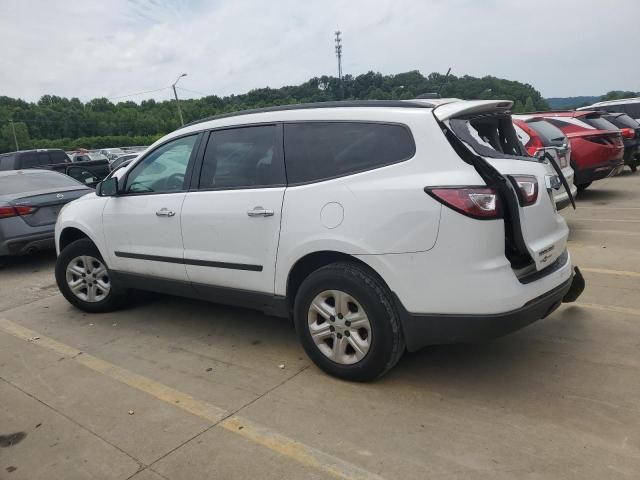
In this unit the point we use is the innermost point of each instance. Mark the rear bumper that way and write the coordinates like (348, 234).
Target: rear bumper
(598, 172)
(25, 244)
(421, 330)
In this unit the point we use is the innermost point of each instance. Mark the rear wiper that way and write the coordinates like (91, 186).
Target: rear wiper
(565, 184)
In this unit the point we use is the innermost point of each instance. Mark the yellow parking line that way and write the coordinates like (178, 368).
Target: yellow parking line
(303, 454)
(288, 447)
(612, 232)
(610, 272)
(596, 207)
(608, 308)
(604, 220)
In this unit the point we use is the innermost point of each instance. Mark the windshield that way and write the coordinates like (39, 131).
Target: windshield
(31, 182)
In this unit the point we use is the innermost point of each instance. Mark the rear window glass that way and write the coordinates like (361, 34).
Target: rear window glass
(600, 123)
(321, 150)
(623, 121)
(31, 182)
(490, 136)
(549, 134)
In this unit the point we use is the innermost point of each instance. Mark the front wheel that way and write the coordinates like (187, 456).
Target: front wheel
(347, 323)
(84, 279)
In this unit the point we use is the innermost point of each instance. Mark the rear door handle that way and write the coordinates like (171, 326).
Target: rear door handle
(165, 212)
(260, 212)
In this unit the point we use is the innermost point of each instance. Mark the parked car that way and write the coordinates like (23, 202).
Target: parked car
(89, 173)
(121, 159)
(596, 145)
(30, 201)
(630, 106)
(541, 138)
(112, 153)
(374, 225)
(89, 157)
(630, 130)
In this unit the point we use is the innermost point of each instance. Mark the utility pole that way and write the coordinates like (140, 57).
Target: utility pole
(15, 137)
(339, 55)
(175, 94)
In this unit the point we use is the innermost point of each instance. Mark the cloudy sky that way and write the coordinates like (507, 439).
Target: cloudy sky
(112, 48)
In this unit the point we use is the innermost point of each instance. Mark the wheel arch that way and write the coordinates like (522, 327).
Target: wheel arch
(70, 234)
(311, 262)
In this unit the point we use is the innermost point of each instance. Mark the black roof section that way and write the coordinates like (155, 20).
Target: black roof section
(309, 106)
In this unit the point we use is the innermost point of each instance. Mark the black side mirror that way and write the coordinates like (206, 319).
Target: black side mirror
(107, 187)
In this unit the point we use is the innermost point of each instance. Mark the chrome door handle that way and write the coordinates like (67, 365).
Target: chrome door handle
(165, 212)
(260, 212)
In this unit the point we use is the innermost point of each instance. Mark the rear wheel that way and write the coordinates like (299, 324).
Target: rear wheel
(84, 279)
(583, 187)
(347, 323)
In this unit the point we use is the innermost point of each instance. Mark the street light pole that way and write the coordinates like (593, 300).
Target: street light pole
(175, 94)
(15, 137)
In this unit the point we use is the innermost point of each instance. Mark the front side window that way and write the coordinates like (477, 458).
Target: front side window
(164, 169)
(246, 157)
(317, 151)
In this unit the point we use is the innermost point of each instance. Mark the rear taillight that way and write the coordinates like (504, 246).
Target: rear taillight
(628, 132)
(527, 188)
(15, 210)
(475, 202)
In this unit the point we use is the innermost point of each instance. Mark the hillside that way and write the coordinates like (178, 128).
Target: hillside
(69, 123)
(564, 103)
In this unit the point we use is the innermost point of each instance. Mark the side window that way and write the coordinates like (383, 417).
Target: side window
(162, 171)
(28, 160)
(317, 151)
(43, 158)
(82, 175)
(58, 156)
(244, 157)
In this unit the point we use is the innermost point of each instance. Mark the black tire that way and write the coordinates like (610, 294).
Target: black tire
(583, 187)
(4, 261)
(634, 166)
(112, 301)
(387, 342)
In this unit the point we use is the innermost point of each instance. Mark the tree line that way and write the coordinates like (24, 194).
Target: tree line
(68, 123)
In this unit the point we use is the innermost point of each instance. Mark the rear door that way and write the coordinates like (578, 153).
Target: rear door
(231, 222)
(486, 129)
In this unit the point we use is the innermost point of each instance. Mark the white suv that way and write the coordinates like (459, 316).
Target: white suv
(378, 226)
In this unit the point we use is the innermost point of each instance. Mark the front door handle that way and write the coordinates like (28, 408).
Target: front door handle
(165, 212)
(260, 212)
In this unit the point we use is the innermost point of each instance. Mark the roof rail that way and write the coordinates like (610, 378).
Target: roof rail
(308, 106)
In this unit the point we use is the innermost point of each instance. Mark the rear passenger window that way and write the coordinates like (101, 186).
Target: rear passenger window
(58, 156)
(29, 160)
(246, 157)
(321, 150)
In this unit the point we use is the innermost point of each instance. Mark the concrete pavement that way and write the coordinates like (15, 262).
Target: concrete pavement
(175, 388)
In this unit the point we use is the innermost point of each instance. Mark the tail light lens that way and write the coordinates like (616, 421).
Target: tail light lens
(475, 202)
(527, 188)
(628, 132)
(8, 211)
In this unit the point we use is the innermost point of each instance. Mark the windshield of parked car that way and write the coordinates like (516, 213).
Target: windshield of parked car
(31, 182)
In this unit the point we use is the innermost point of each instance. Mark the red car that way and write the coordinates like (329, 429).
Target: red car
(597, 149)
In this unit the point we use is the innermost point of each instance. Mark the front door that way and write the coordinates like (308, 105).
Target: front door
(231, 223)
(142, 224)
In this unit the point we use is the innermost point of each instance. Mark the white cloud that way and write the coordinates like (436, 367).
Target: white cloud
(95, 48)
